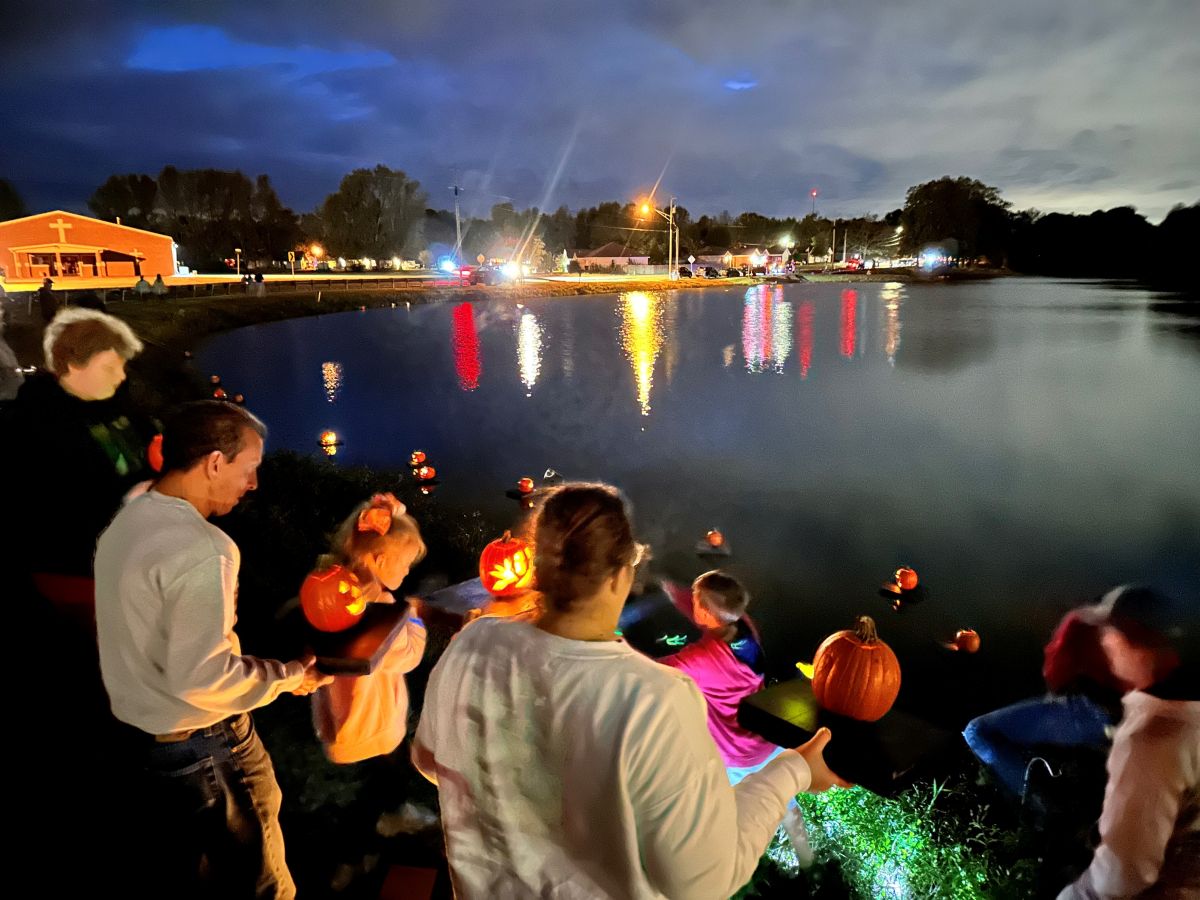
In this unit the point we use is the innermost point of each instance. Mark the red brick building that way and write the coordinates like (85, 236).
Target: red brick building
(63, 245)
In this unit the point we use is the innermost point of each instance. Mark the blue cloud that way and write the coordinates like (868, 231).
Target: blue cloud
(191, 48)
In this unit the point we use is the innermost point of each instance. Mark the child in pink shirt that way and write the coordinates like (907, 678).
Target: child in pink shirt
(726, 664)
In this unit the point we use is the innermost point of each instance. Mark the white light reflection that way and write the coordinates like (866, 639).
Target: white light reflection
(529, 350)
(766, 329)
(892, 296)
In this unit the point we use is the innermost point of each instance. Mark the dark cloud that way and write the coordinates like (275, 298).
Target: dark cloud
(1073, 105)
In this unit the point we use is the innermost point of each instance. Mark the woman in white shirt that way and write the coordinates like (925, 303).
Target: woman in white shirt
(569, 765)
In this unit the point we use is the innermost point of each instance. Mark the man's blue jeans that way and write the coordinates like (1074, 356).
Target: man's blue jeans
(1004, 740)
(216, 805)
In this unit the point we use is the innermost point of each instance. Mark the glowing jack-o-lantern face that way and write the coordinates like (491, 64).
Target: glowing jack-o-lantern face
(332, 599)
(506, 566)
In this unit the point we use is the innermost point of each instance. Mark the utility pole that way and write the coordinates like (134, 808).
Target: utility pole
(672, 258)
(457, 228)
(845, 235)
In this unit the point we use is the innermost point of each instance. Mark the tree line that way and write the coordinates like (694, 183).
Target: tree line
(381, 213)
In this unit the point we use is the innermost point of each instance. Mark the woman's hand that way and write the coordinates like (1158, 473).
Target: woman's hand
(823, 777)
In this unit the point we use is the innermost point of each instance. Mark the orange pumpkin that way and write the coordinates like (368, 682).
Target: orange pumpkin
(855, 674)
(525, 485)
(715, 538)
(332, 599)
(906, 578)
(418, 457)
(506, 566)
(426, 473)
(967, 640)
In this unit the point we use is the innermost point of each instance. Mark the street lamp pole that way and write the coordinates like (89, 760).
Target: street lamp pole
(674, 260)
(237, 251)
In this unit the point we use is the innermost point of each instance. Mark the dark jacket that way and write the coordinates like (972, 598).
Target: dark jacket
(65, 465)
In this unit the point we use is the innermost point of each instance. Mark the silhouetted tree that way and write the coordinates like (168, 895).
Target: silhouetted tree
(960, 209)
(374, 213)
(11, 204)
(129, 198)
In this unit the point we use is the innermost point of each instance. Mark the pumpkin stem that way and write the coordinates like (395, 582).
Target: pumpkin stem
(507, 536)
(864, 629)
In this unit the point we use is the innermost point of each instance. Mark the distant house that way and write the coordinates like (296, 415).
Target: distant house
(606, 257)
(742, 257)
(63, 245)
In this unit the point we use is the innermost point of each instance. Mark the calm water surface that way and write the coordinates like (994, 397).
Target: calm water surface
(1022, 443)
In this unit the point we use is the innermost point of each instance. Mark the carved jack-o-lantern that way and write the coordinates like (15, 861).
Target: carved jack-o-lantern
(332, 599)
(506, 566)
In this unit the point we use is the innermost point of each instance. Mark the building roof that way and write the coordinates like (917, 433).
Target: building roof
(63, 212)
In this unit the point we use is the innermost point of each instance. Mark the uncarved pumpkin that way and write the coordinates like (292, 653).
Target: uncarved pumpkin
(506, 566)
(855, 674)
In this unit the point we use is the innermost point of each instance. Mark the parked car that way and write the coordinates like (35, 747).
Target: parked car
(733, 273)
(710, 272)
(685, 272)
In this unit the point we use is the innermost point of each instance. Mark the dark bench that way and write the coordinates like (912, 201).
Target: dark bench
(885, 756)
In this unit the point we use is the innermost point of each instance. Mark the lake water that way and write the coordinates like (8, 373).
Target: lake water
(1023, 443)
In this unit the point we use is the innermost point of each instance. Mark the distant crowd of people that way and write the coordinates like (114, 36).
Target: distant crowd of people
(567, 764)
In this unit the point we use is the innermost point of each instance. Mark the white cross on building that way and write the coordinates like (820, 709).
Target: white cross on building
(61, 227)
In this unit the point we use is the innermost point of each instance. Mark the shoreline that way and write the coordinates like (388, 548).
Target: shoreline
(178, 324)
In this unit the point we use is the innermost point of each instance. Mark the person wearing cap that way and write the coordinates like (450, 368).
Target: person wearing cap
(1150, 824)
(1076, 717)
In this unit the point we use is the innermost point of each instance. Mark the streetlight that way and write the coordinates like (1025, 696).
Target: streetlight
(238, 253)
(672, 257)
(813, 194)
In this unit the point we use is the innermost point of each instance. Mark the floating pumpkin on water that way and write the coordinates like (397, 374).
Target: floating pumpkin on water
(506, 566)
(966, 640)
(525, 485)
(154, 454)
(329, 438)
(332, 599)
(219, 393)
(426, 473)
(715, 538)
(855, 674)
(906, 578)
(418, 457)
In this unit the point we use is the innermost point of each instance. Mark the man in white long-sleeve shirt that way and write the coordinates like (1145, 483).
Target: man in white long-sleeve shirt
(166, 590)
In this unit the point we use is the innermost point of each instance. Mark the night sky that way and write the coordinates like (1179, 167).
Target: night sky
(1069, 105)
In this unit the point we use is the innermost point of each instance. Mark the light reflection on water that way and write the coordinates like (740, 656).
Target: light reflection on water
(331, 375)
(1024, 443)
(529, 350)
(642, 339)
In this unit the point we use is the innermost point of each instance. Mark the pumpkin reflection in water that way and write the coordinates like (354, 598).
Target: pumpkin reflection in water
(506, 566)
